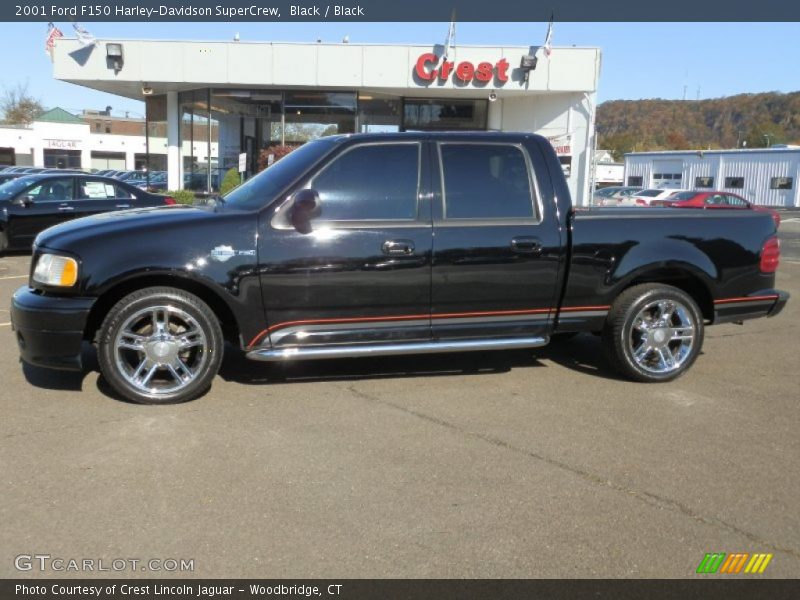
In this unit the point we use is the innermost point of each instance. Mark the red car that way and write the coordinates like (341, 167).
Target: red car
(714, 200)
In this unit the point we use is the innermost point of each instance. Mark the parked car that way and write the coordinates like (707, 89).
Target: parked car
(156, 182)
(9, 176)
(382, 244)
(614, 195)
(648, 196)
(715, 200)
(31, 203)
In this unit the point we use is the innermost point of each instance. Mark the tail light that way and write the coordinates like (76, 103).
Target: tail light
(770, 255)
(641, 202)
(776, 216)
(169, 200)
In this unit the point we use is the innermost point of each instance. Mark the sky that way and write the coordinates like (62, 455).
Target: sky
(639, 60)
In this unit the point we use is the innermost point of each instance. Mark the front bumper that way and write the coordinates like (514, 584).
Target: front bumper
(49, 329)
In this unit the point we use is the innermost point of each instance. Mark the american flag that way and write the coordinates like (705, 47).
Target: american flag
(53, 33)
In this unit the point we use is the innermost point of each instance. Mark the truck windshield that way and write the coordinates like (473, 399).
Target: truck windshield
(261, 189)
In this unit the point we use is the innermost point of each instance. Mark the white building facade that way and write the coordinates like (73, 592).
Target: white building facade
(253, 97)
(62, 140)
(767, 176)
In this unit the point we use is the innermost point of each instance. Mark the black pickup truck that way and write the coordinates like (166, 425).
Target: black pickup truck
(380, 244)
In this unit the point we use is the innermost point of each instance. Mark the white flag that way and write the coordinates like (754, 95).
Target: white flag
(548, 40)
(451, 38)
(84, 37)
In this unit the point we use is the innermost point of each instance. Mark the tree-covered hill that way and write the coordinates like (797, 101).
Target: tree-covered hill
(759, 120)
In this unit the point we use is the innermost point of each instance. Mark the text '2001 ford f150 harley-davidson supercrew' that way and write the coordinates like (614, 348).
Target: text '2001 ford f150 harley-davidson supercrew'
(365, 245)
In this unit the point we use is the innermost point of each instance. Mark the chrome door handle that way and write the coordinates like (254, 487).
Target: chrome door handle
(526, 245)
(123, 205)
(398, 247)
(66, 207)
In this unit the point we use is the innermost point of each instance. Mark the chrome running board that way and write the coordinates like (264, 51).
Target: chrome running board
(356, 350)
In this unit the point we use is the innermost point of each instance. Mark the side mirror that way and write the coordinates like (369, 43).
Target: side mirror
(305, 207)
(26, 200)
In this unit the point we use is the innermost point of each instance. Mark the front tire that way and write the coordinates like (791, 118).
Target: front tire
(160, 345)
(653, 333)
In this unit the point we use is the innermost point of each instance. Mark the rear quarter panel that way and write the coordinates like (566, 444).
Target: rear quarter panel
(613, 249)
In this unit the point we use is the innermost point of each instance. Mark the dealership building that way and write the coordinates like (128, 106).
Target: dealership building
(766, 176)
(216, 100)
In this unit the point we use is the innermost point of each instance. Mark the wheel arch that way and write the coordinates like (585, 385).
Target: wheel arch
(223, 312)
(681, 276)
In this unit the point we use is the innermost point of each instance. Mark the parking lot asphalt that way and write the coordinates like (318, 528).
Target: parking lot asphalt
(512, 464)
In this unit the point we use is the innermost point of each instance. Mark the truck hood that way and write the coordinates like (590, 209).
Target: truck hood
(125, 224)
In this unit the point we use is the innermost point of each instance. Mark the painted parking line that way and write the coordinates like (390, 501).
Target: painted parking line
(14, 277)
(5, 324)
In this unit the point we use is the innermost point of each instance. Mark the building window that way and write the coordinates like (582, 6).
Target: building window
(62, 159)
(781, 183)
(378, 113)
(97, 126)
(310, 115)
(635, 180)
(704, 182)
(736, 183)
(425, 115)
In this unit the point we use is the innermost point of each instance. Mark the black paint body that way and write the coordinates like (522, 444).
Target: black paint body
(273, 285)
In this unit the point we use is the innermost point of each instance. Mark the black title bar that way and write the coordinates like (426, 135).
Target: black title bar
(403, 10)
(706, 588)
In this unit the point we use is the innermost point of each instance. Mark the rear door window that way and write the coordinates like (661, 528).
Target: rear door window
(98, 189)
(486, 181)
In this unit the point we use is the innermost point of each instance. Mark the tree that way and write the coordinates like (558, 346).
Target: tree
(18, 106)
(230, 181)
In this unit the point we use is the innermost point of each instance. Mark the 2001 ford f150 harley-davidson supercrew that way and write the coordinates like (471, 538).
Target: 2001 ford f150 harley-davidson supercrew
(378, 244)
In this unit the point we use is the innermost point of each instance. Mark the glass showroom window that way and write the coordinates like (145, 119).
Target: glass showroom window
(248, 120)
(311, 115)
(156, 133)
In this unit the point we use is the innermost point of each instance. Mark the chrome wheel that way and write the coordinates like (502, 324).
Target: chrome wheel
(160, 350)
(662, 336)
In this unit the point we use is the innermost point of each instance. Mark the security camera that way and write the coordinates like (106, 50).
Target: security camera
(492, 96)
(146, 90)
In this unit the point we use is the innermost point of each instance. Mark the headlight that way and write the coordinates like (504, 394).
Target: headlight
(55, 270)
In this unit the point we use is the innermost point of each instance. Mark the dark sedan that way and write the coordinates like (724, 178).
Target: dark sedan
(32, 203)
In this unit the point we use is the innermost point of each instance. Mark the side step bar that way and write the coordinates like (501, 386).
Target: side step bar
(356, 350)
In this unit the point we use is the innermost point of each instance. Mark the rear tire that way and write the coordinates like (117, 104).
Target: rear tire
(160, 345)
(653, 333)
